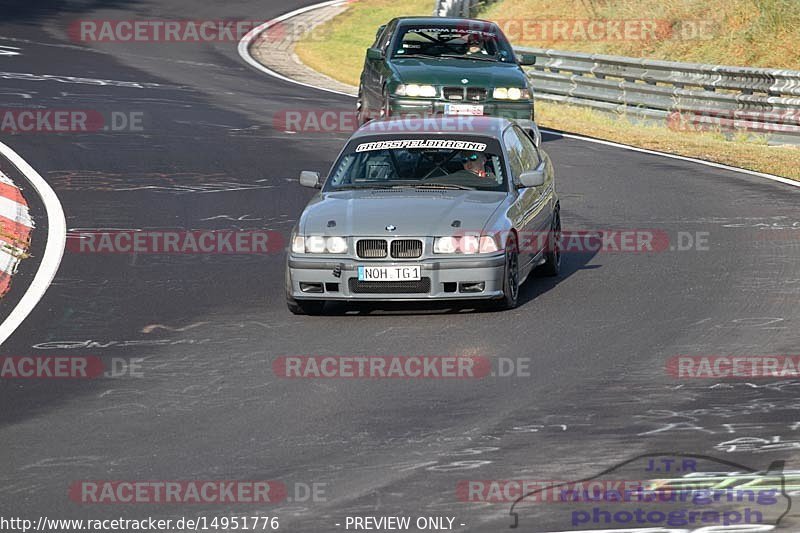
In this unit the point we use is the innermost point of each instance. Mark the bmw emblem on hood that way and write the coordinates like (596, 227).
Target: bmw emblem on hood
(391, 228)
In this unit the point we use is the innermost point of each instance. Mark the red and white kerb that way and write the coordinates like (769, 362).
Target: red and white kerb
(15, 230)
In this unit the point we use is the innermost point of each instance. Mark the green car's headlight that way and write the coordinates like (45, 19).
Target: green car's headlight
(414, 91)
(316, 244)
(511, 93)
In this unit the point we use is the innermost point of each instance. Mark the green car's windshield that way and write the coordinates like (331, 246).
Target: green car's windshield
(455, 41)
(381, 166)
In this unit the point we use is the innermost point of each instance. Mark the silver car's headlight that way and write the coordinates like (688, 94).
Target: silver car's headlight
(336, 245)
(511, 93)
(414, 90)
(446, 245)
(317, 244)
(465, 244)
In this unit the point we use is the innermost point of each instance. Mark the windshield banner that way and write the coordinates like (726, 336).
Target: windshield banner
(422, 143)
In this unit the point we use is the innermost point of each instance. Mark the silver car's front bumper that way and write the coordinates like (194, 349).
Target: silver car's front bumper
(447, 279)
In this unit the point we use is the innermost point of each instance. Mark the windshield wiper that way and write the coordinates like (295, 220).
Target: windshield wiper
(444, 186)
(477, 58)
(372, 186)
(418, 54)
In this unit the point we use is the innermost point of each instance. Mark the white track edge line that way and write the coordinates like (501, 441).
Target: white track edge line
(722, 166)
(244, 45)
(244, 52)
(54, 249)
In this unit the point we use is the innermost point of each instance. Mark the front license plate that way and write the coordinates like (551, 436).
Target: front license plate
(463, 109)
(390, 273)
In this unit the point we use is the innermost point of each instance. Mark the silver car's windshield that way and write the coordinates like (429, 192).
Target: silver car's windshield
(418, 168)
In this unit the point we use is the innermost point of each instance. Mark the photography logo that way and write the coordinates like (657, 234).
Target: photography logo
(659, 492)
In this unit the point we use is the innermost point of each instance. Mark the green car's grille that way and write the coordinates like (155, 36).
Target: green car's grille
(465, 94)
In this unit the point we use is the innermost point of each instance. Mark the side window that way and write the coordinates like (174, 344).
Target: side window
(514, 149)
(386, 38)
(530, 155)
(503, 45)
(378, 38)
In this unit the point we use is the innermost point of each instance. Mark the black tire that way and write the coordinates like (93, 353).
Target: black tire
(386, 111)
(361, 112)
(552, 263)
(301, 307)
(510, 298)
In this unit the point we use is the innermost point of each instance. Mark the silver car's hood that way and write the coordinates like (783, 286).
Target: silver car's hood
(413, 213)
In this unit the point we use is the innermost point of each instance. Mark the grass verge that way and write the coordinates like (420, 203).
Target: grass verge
(340, 54)
(754, 33)
(710, 146)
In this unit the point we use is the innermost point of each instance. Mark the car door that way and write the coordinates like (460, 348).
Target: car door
(375, 68)
(543, 195)
(523, 212)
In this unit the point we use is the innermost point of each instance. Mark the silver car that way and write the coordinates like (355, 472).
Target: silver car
(414, 209)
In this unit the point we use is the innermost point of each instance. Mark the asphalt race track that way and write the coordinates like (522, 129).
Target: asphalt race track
(205, 403)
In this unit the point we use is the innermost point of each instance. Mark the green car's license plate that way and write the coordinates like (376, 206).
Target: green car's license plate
(463, 109)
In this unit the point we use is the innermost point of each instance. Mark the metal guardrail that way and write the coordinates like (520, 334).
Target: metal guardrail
(688, 95)
(454, 8)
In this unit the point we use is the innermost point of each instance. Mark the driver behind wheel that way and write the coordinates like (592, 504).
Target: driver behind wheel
(475, 46)
(476, 163)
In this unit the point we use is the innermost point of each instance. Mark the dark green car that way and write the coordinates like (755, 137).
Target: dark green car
(424, 66)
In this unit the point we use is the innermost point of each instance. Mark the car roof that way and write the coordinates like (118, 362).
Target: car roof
(439, 20)
(435, 125)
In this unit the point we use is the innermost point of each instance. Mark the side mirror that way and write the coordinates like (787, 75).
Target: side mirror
(526, 59)
(310, 179)
(532, 178)
(374, 54)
